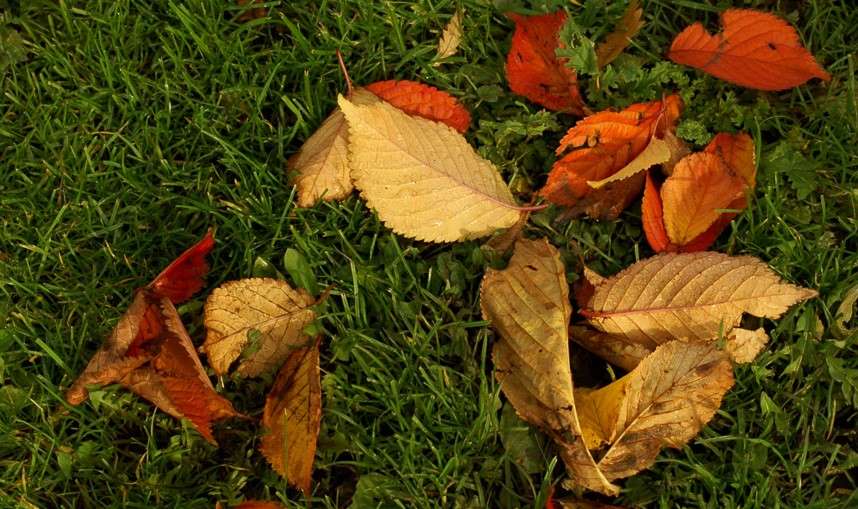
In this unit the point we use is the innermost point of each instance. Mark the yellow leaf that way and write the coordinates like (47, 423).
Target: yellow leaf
(422, 177)
(598, 411)
(618, 40)
(259, 319)
(451, 37)
(688, 296)
(744, 345)
(320, 168)
(291, 419)
(665, 401)
(528, 304)
(656, 152)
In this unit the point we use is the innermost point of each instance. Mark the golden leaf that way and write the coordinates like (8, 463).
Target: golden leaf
(528, 304)
(292, 415)
(451, 37)
(688, 296)
(614, 44)
(259, 319)
(744, 345)
(665, 401)
(656, 152)
(320, 168)
(422, 177)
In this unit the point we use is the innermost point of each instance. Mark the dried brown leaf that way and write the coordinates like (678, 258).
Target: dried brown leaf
(451, 38)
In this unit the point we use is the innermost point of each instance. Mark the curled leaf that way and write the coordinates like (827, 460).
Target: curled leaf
(755, 50)
(292, 416)
(450, 39)
(185, 275)
(533, 68)
(528, 304)
(656, 152)
(688, 296)
(258, 319)
(423, 178)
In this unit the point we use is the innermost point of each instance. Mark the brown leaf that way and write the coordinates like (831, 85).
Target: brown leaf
(663, 402)
(258, 319)
(689, 295)
(528, 304)
(618, 40)
(618, 350)
(744, 345)
(755, 50)
(292, 416)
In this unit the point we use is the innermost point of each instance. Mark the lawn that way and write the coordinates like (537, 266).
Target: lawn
(129, 127)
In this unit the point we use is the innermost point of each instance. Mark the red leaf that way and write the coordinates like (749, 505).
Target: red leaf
(652, 217)
(533, 69)
(184, 276)
(424, 101)
(755, 50)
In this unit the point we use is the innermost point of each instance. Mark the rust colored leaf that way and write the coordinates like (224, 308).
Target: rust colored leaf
(601, 145)
(423, 101)
(652, 217)
(254, 12)
(755, 50)
(533, 68)
(691, 295)
(618, 40)
(259, 320)
(184, 276)
(528, 304)
(292, 415)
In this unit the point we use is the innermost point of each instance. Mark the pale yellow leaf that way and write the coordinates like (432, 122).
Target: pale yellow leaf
(744, 345)
(451, 37)
(320, 168)
(598, 411)
(422, 177)
(528, 304)
(664, 402)
(258, 319)
(656, 152)
(688, 296)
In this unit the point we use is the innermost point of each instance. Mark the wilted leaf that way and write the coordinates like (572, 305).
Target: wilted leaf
(601, 145)
(418, 99)
(618, 40)
(533, 68)
(688, 296)
(423, 178)
(258, 319)
(528, 304)
(451, 37)
(321, 166)
(755, 50)
(663, 402)
(744, 345)
(292, 415)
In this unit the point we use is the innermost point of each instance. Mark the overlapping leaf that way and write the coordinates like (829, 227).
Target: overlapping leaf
(533, 68)
(423, 178)
(755, 50)
(602, 145)
(259, 320)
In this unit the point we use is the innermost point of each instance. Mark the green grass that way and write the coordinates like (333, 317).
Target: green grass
(130, 126)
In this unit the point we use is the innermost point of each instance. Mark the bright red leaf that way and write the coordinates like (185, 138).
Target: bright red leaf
(184, 277)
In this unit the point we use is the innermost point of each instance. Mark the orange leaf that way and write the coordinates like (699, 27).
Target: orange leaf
(737, 151)
(533, 69)
(184, 276)
(603, 144)
(617, 41)
(292, 415)
(423, 101)
(652, 216)
(755, 50)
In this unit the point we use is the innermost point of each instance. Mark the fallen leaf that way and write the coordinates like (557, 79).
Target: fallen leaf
(423, 101)
(260, 320)
(744, 345)
(688, 296)
(254, 12)
(423, 178)
(150, 353)
(663, 402)
(253, 504)
(755, 50)
(320, 169)
(617, 350)
(656, 152)
(533, 68)
(448, 45)
(618, 40)
(528, 304)
(601, 145)
(695, 202)
(840, 325)
(184, 276)
(292, 416)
